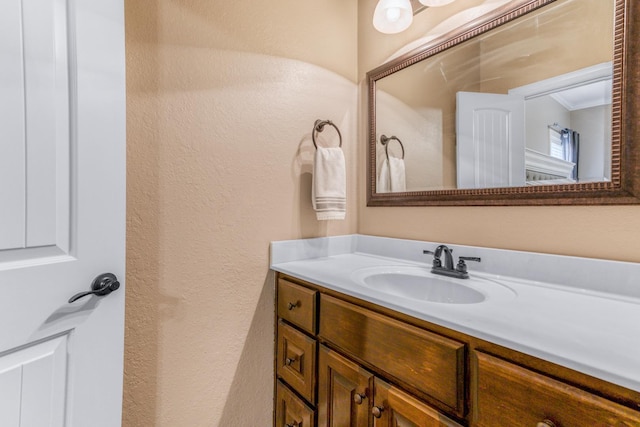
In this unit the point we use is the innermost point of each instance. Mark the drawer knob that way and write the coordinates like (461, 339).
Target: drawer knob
(292, 305)
(288, 361)
(358, 398)
(377, 411)
(546, 423)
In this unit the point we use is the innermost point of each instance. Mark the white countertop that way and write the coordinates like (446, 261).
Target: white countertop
(580, 313)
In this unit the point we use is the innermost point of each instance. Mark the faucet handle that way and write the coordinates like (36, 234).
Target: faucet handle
(436, 261)
(462, 266)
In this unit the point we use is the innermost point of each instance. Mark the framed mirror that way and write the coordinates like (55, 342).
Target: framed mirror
(534, 103)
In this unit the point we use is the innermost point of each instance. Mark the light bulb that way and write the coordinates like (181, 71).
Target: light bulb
(392, 16)
(435, 3)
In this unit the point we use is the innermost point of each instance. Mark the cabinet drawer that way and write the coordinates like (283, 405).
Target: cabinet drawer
(393, 407)
(508, 394)
(296, 360)
(290, 410)
(427, 361)
(297, 305)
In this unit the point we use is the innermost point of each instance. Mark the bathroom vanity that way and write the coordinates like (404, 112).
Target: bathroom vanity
(360, 342)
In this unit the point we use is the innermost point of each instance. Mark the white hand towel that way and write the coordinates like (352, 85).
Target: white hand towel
(383, 184)
(329, 187)
(397, 175)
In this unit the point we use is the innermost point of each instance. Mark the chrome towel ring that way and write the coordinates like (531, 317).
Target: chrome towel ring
(318, 126)
(384, 140)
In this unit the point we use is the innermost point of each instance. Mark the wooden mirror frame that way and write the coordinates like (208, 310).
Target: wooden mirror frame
(624, 187)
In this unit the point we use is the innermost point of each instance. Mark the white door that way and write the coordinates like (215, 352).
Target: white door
(490, 140)
(62, 200)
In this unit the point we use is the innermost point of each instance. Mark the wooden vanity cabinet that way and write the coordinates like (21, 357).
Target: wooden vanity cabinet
(342, 362)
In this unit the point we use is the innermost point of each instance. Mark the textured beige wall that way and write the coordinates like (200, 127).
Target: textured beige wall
(611, 232)
(222, 96)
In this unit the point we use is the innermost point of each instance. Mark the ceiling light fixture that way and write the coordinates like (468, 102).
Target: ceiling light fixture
(394, 16)
(436, 3)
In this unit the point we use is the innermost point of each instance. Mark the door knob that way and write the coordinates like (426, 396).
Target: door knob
(102, 285)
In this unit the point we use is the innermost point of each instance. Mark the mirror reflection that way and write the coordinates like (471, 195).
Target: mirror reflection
(527, 103)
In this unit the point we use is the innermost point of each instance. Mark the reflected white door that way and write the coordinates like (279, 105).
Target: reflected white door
(490, 140)
(62, 201)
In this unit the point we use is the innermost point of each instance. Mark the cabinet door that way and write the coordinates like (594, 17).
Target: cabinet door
(292, 411)
(344, 394)
(393, 407)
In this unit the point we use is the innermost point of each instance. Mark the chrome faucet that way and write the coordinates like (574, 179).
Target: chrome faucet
(460, 270)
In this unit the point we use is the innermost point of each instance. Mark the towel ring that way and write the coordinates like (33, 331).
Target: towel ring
(318, 126)
(384, 140)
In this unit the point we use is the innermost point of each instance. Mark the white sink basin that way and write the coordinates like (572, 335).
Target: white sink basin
(418, 283)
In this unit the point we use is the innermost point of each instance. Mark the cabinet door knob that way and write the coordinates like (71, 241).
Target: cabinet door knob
(292, 305)
(293, 424)
(358, 398)
(288, 361)
(546, 423)
(377, 411)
